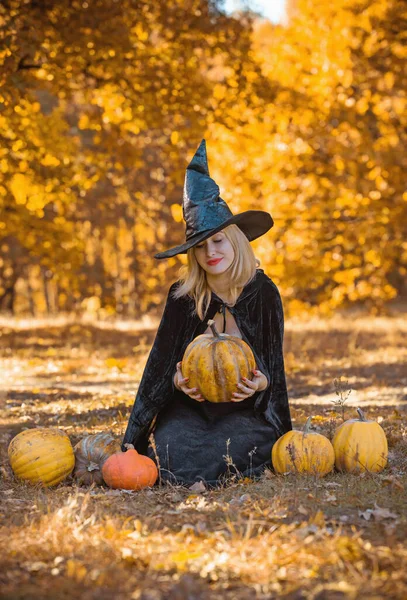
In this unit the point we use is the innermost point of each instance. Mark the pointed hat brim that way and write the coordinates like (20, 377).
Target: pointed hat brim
(253, 223)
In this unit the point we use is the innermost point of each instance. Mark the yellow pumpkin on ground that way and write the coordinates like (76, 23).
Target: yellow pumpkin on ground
(41, 456)
(360, 445)
(303, 452)
(216, 363)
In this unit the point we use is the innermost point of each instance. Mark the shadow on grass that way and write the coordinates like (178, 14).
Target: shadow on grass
(362, 377)
(38, 340)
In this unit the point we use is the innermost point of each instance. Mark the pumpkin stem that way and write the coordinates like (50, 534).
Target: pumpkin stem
(92, 466)
(307, 426)
(212, 325)
(361, 414)
(129, 446)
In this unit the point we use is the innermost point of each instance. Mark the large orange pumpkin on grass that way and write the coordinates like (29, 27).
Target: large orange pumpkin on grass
(90, 455)
(129, 470)
(42, 456)
(303, 452)
(216, 363)
(360, 445)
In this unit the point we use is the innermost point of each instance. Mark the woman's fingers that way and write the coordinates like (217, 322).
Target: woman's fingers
(245, 390)
(238, 397)
(247, 386)
(193, 393)
(248, 383)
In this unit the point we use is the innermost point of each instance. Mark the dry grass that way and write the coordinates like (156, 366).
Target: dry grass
(281, 537)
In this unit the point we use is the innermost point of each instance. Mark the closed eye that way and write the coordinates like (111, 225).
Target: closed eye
(202, 245)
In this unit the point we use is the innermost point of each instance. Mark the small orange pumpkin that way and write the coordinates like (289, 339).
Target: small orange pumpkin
(216, 363)
(303, 452)
(90, 455)
(129, 470)
(360, 445)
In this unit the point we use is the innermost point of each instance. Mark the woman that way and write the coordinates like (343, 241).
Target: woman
(195, 440)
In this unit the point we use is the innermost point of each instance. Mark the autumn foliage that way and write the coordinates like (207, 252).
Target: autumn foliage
(102, 104)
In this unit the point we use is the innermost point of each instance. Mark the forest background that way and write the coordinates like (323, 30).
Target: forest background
(102, 104)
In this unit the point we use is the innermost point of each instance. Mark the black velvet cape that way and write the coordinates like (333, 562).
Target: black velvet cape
(258, 313)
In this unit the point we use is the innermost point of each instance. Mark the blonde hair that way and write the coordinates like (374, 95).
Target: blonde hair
(192, 277)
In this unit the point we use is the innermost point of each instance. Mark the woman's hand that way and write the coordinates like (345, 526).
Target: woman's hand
(180, 383)
(247, 387)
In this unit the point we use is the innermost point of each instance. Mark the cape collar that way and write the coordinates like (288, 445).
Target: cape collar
(248, 290)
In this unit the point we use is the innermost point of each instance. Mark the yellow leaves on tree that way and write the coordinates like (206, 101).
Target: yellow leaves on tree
(306, 120)
(325, 155)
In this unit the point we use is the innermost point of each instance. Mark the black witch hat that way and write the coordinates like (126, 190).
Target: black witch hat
(205, 213)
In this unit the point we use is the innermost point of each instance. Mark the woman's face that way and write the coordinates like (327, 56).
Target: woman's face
(215, 255)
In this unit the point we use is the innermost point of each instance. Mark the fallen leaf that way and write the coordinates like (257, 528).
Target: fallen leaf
(188, 527)
(35, 566)
(198, 487)
(241, 500)
(113, 492)
(318, 519)
(244, 498)
(377, 513)
(393, 482)
(201, 526)
(176, 497)
(383, 513)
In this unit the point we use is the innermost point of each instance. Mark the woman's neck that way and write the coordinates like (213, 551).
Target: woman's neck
(220, 285)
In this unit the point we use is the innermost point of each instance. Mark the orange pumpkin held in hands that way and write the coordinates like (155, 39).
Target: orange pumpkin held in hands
(129, 470)
(216, 363)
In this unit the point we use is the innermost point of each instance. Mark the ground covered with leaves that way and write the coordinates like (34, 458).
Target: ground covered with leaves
(281, 537)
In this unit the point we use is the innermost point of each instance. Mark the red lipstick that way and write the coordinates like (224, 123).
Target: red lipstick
(214, 261)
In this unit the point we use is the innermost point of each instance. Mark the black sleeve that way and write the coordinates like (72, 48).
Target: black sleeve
(274, 400)
(156, 386)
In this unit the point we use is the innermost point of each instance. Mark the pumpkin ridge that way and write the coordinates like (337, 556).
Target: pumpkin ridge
(240, 350)
(62, 462)
(27, 461)
(192, 345)
(27, 453)
(195, 370)
(58, 471)
(236, 365)
(218, 373)
(246, 359)
(119, 477)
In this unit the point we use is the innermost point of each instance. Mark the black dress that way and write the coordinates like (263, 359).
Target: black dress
(211, 442)
(191, 437)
